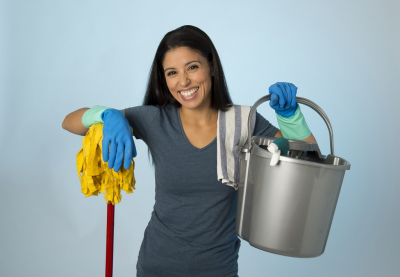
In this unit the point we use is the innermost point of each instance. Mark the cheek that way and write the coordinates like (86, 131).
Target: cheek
(169, 86)
(205, 80)
(207, 83)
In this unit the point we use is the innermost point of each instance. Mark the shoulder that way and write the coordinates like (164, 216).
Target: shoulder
(263, 127)
(150, 113)
(237, 109)
(168, 109)
(259, 125)
(141, 119)
(144, 111)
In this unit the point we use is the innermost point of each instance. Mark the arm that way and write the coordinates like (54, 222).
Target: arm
(311, 138)
(117, 144)
(73, 122)
(290, 118)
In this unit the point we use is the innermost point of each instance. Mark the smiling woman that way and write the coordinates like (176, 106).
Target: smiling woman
(192, 228)
(195, 46)
(188, 77)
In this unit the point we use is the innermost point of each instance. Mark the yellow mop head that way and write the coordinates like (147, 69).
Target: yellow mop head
(94, 174)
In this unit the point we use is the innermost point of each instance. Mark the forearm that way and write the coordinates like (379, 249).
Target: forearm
(291, 121)
(311, 138)
(73, 122)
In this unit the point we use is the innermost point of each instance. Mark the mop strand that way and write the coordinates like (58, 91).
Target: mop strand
(94, 174)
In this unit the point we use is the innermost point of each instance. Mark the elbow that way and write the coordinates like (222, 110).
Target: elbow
(64, 125)
(73, 123)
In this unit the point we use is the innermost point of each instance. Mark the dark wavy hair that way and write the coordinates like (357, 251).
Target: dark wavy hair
(157, 92)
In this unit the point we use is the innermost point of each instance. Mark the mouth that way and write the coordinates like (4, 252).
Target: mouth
(189, 94)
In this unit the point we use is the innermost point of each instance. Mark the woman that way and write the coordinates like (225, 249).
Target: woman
(192, 228)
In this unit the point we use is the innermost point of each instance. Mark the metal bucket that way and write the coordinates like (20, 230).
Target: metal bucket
(288, 209)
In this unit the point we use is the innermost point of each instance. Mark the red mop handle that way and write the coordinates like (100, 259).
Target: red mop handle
(110, 240)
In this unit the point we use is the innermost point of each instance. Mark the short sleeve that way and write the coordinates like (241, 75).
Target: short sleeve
(263, 127)
(140, 119)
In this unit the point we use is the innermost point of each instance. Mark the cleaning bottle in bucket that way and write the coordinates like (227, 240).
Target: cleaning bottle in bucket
(278, 147)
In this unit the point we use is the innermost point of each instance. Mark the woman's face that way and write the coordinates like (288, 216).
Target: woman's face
(188, 76)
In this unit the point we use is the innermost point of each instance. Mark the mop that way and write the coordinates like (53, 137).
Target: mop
(96, 177)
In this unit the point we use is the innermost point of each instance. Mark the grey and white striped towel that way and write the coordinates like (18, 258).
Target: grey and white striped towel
(232, 131)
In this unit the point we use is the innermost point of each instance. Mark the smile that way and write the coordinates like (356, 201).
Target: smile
(189, 93)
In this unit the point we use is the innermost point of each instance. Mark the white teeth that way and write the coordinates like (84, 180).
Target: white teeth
(189, 93)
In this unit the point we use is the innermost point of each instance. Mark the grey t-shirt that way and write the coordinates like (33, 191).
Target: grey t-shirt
(192, 228)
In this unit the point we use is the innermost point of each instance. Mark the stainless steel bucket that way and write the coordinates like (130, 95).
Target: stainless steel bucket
(288, 209)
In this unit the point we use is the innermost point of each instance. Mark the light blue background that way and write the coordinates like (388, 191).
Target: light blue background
(58, 56)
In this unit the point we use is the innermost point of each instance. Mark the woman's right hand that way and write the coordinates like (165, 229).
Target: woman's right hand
(117, 141)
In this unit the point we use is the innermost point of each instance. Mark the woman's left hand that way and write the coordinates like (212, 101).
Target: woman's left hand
(283, 98)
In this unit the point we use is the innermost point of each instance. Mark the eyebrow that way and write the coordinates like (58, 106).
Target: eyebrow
(185, 65)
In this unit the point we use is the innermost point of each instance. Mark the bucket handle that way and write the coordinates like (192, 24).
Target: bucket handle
(300, 100)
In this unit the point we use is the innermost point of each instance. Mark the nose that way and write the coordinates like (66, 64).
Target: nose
(184, 80)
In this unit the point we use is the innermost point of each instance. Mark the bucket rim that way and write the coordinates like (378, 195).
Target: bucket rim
(259, 152)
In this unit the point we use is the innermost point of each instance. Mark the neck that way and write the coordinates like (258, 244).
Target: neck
(199, 116)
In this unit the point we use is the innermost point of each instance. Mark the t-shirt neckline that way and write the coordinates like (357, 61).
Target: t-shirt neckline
(185, 137)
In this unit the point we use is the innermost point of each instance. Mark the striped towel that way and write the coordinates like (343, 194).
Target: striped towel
(232, 131)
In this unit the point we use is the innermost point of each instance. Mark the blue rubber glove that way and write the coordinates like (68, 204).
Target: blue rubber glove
(117, 131)
(283, 98)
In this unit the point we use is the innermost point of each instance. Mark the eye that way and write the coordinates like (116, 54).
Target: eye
(193, 67)
(171, 73)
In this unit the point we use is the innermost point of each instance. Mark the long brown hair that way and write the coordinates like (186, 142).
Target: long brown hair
(157, 92)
